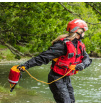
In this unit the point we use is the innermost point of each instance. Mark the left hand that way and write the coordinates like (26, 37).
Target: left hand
(79, 67)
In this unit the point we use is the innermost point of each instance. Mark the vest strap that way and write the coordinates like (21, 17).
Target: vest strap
(77, 56)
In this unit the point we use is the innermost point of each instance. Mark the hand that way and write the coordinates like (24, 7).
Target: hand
(21, 68)
(79, 67)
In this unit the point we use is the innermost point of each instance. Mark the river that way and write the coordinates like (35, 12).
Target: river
(86, 84)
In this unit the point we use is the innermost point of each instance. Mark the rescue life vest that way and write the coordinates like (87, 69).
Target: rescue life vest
(73, 56)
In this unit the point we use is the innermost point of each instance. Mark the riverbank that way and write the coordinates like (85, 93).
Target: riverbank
(6, 56)
(24, 60)
(86, 84)
(14, 61)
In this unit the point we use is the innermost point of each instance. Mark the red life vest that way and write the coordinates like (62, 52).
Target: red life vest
(74, 56)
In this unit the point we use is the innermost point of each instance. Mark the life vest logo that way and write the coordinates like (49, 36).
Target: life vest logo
(61, 63)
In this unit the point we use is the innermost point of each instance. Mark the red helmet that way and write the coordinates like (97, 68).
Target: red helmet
(75, 24)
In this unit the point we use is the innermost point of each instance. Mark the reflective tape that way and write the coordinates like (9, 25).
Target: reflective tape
(86, 28)
(74, 29)
(12, 81)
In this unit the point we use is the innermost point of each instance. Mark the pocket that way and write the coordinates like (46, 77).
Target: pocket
(70, 55)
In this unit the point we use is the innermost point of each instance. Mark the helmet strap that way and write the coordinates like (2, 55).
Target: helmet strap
(80, 35)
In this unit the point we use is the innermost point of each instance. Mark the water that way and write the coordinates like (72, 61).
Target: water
(86, 84)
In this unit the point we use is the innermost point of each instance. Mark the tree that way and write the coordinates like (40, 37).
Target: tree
(27, 27)
(92, 17)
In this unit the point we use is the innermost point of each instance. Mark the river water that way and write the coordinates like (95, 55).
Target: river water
(86, 84)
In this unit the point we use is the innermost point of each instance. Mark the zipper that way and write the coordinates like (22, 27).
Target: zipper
(76, 50)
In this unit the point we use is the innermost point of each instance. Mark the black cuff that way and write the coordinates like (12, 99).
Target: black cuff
(79, 67)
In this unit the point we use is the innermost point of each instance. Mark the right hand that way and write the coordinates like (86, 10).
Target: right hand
(21, 68)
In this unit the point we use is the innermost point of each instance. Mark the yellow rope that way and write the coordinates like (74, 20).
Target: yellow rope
(49, 82)
(72, 67)
(12, 86)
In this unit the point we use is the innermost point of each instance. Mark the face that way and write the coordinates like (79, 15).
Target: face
(81, 32)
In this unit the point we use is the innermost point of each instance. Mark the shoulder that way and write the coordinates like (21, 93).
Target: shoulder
(60, 44)
(82, 44)
(65, 40)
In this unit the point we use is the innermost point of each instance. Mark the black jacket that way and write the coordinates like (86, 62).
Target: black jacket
(56, 50)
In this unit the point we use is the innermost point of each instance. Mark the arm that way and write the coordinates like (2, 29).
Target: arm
(56, 50)
(86, 61)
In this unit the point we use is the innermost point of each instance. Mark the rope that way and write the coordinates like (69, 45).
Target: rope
(15, 67)
(12, 86)
(49, 82)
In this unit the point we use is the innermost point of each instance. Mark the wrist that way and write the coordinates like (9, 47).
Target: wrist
(79, 66)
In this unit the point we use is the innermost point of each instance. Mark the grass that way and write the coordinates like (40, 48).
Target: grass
(6, 96)
(6, 54)
(5, 93)
(2, 89)
(2, 47)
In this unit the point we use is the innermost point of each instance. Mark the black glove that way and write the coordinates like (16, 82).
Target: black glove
(79, 67)
(21, 68)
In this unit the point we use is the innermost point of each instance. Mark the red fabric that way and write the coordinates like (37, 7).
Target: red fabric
(13, 77)
(64, 61)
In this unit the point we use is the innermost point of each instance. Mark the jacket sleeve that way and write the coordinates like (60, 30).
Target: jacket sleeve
(86, 60)
(56, 50)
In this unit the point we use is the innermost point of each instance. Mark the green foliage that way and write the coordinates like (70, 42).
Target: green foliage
(17, 57)
(93, 44)
(2, 47)
(30, 27)
(6, 54)
(96, 6)
(96, 42)
(6, 91)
